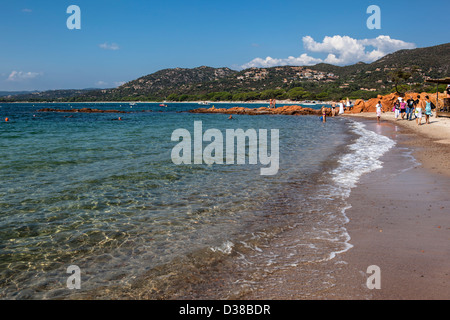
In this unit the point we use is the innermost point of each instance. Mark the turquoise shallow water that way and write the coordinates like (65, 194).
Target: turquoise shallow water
(88, 190)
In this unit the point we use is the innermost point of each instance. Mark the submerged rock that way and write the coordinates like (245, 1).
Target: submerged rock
(82, 110)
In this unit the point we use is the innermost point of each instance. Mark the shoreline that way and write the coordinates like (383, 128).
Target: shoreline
(278, 103)
(397, 220)
(430, 143)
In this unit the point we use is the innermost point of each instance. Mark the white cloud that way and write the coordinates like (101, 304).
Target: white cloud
(341, 50)
(119, 83)
(104, 84)
(101, 83)
(303, 60)
(108, 46)
(22, 76)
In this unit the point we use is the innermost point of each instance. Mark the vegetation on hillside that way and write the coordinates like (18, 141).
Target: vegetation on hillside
(404, 70)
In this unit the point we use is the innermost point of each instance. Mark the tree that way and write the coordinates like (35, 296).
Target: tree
(173, 97)
(297, 93)
(397, 76)
(322, 96)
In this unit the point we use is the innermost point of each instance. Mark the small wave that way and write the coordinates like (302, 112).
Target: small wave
(364, 157)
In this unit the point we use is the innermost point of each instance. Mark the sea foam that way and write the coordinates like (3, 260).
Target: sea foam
(364, 157)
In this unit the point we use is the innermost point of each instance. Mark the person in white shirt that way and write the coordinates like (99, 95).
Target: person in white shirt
(341, 108)
(379, 106)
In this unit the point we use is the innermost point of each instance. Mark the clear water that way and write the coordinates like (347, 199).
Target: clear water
(87, 190)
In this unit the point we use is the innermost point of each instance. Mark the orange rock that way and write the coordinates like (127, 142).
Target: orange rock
(358, 107)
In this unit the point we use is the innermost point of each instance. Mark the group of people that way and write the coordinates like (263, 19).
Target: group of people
(409, 108)
(337, 108)
(273, 103)
(334, 108)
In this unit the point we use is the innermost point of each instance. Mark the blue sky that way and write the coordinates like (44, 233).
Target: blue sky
(122, 40)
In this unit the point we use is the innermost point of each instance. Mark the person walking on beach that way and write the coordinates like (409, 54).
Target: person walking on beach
(427, 110)
(409, 108)
(379, 106)
(396, 109)
(402, 108)
(418, 110)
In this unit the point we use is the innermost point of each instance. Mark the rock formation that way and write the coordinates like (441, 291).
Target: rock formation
(285, 110)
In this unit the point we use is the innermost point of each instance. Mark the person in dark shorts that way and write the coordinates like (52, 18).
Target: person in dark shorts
(409, 108)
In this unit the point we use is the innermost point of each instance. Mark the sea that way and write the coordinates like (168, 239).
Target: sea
(104, 195)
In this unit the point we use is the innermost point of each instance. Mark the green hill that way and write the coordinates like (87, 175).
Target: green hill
(319, 82)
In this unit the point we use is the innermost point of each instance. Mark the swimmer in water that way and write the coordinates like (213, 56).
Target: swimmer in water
(230, 118)
(324, 114)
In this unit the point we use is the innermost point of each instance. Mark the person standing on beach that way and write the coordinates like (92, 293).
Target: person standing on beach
(341, 108)
(348, 105)
(409, 108)
(333, 109)
(427, 110)
(418, 110)
(396, 109)
(379, 106)
(402, 108)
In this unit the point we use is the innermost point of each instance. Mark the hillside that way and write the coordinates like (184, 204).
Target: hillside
(13, 93)
(319, 82)
(164, 82)
(50, 95)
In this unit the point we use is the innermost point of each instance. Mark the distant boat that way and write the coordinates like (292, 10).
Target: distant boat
(203, 103)
(309, 103)
(163, 105)
(132, 103)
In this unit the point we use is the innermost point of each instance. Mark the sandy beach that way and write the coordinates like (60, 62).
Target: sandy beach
(400, 218)
(399, 221)
(431, 142)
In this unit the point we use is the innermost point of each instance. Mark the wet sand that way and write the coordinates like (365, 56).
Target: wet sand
(431, 142)
(399, 220)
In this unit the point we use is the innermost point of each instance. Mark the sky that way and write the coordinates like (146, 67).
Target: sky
(122, 40)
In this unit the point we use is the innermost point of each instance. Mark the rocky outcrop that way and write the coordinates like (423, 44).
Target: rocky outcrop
(285, 110)
(388, 101)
